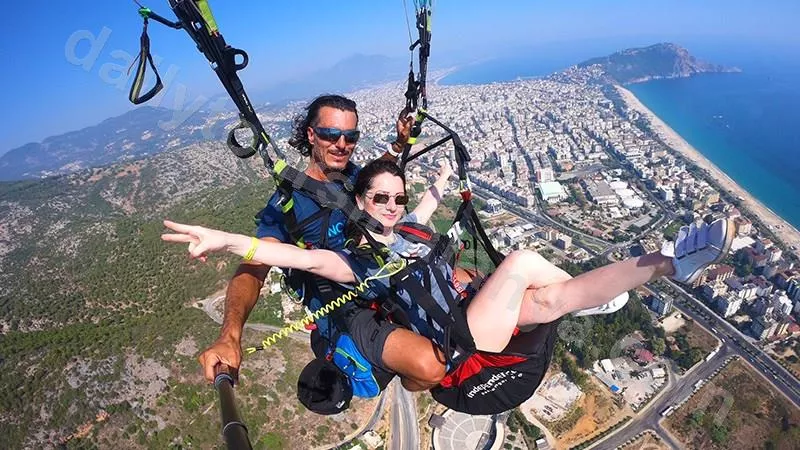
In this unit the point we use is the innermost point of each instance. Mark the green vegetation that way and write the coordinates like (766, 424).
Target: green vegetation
(268, 310)
(686, 356)
(271, 441)
(101, 298)
(517, 421)
(671, 231)
(742, 264)
(658, 345)
(719, 433)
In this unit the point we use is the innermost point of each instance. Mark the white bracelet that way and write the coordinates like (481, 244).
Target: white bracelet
(392, 152)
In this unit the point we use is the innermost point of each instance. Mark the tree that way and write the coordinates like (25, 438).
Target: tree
(658, 345)
(742, 264)
(719, 433)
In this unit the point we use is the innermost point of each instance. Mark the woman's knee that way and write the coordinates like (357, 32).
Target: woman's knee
(537, 264)
(526, 258)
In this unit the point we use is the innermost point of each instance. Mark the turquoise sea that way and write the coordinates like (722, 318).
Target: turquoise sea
(748, 123)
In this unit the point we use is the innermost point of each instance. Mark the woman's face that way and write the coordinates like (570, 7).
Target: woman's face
(372, 202)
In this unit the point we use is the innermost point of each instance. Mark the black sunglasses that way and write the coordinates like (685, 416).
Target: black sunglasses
(333, 134)
(382, 199)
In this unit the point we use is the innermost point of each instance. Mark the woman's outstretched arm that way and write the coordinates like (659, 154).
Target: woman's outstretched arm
(202, 241)
(430, 201)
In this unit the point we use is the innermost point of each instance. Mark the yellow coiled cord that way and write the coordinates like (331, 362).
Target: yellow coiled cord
(387, 270)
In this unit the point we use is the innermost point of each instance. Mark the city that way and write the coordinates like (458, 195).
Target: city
(567, 167)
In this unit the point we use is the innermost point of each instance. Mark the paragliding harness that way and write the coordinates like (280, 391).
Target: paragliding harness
(476, 382)
(330, 339)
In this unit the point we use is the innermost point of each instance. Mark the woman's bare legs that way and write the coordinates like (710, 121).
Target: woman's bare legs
(495, 310)
(527, 289)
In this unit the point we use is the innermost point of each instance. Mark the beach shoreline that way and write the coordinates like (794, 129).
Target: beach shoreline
(788, 234)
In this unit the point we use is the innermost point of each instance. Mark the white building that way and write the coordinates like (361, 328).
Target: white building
(728, 305)
(493, 206)
(552, 192)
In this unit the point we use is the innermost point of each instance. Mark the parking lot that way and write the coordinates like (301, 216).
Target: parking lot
(636, 383)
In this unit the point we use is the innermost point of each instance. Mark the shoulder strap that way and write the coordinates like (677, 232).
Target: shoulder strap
(466, 214)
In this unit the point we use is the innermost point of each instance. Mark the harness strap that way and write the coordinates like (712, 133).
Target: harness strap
(466, 214)
(144, 58)
(452, 319)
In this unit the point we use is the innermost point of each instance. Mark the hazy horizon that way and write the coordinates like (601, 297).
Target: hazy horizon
(63, 74)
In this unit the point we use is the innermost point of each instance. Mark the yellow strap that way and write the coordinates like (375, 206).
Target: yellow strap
(252, 250)
(280, 165)
(287, 206)
(386, 271)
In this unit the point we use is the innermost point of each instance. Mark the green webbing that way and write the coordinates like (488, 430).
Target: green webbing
(205, 11)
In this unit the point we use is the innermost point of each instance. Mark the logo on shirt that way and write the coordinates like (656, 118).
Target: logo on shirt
(335, 229)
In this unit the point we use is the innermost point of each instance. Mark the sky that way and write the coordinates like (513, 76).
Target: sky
(66, 62)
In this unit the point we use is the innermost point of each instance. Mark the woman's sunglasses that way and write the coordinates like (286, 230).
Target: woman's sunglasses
(333, 134)
(382, 199)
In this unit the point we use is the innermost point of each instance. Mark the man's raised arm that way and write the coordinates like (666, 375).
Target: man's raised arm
(403, 126)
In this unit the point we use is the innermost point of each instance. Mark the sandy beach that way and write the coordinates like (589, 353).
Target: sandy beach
(783, 229)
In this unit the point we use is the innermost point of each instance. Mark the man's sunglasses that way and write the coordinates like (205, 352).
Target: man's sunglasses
(333, 134)
(382, 199)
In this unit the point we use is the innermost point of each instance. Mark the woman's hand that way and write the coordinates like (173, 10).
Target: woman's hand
(201, 240)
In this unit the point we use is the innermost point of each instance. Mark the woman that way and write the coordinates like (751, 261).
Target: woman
(524, 291)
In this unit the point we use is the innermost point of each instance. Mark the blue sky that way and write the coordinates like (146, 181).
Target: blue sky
(53, 84)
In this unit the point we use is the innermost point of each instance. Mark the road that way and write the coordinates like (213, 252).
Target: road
(784, 381)
(650, 417)
(209, 306)
(405, 429)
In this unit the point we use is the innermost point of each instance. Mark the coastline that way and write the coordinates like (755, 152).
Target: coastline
(787, 233)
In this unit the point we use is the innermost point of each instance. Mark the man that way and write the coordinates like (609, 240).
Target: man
(327, 133)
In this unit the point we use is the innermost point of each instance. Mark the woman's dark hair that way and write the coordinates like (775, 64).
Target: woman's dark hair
(362, 185)
(372, 170)
(310, 118)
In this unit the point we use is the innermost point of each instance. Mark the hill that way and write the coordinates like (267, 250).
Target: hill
(98, 329)
(665, 60)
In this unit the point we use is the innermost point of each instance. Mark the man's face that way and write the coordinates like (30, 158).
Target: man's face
(329, 154)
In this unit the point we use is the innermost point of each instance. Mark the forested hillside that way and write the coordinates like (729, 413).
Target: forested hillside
(99, 332)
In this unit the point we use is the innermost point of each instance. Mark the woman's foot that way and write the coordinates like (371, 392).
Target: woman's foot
(697, 247)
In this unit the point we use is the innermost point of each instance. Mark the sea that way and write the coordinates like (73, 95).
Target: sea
(748, 123)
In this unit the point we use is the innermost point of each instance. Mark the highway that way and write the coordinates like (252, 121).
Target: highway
(405, 429)
(681, 387)
(784, 381)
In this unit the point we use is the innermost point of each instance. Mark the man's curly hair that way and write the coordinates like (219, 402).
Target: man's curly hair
(310, 117)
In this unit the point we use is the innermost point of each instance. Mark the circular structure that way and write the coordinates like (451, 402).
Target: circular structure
(463, 431)
(633, 203)
(616, 185)
(625, 193)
